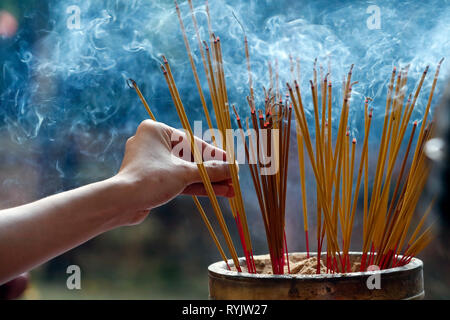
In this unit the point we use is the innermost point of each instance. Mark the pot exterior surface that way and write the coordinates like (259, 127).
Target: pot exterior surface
(404, 282)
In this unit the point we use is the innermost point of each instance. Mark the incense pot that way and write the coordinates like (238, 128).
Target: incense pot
(405, 282)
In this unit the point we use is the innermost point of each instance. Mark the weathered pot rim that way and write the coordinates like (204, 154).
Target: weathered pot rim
(219, 269)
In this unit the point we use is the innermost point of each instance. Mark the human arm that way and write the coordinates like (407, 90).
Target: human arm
(149, 176)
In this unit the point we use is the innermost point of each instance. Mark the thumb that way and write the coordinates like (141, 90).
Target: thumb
(217, 171)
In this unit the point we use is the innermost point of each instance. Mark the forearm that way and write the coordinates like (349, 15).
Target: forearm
(34, 233)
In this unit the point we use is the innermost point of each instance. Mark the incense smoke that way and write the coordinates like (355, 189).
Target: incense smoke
(66, 110)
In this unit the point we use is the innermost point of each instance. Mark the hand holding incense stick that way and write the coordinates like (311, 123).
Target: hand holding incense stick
(150, 176)
(194, 198)
(149, 159)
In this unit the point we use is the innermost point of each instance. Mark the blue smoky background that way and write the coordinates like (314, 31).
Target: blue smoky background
(66, 112)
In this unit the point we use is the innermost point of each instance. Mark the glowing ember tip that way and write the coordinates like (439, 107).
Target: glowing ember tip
(354, 141)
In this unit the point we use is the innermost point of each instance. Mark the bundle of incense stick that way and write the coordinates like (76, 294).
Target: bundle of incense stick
(387, 216)
(213, 66)
(270, 183)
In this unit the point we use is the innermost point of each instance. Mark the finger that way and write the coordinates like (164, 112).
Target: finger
(217, 171)
(221, 189)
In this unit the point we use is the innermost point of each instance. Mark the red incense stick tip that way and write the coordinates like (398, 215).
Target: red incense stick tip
(290, 106)
(218, 39)
(347, 134)
(415, 123)
(395, 70)
(354, 140)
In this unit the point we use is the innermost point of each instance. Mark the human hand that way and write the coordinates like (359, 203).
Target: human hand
(154, 175)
